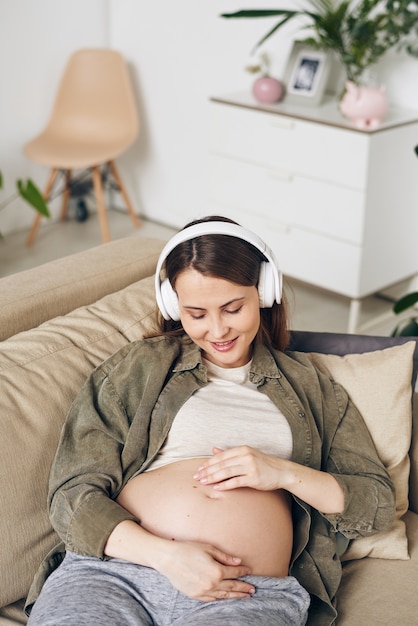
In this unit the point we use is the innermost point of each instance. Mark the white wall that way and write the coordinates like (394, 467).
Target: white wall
(179, 53)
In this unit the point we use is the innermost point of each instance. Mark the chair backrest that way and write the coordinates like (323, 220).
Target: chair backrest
(95, 97)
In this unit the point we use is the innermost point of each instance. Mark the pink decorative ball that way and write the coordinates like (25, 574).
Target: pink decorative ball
(268, 90)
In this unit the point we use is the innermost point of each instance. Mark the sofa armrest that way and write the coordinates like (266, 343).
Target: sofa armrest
(58, 287)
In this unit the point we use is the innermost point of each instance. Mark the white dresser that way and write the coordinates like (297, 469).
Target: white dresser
(339, 206)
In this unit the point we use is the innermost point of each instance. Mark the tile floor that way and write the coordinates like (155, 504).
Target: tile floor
(311, 308)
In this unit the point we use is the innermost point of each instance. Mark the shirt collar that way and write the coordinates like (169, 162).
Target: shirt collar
(263, 364)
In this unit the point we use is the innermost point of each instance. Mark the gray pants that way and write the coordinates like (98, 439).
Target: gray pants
(88, 591)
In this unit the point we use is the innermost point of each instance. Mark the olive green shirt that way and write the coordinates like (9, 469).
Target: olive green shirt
(123, 414)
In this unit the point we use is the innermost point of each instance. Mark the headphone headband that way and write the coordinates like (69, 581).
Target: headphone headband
(216, 228)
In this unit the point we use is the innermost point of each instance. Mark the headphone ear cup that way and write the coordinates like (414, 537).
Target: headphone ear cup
(169, 301)
(266, 285)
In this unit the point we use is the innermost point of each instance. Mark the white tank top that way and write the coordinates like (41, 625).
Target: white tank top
(229, 411)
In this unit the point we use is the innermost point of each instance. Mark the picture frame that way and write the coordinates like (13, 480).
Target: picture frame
(307, 74)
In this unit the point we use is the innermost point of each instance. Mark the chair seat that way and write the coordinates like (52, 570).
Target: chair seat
(74, 152)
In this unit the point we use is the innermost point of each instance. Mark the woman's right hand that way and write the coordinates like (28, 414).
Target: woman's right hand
(198, 570)
(205, 573)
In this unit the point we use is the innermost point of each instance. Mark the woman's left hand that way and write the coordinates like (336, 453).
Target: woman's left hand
(242, 466)
(245, 466)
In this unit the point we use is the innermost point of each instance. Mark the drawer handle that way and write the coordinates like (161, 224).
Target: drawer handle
(282, 123)
(284, 177)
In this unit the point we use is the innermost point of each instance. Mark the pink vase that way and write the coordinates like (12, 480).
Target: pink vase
(268, 90)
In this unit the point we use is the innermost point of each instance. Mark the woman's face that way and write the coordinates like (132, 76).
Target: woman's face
(221, 317)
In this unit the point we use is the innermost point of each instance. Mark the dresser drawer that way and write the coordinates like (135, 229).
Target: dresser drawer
(303, 148)
(306, 256)
(288, 198)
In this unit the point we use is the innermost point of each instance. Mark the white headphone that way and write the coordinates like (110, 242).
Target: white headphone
(269, 282)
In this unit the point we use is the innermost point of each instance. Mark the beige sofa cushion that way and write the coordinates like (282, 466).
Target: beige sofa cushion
(41, 371)
(379, 383)
(56, 288)
(372, 592)
(13, 614)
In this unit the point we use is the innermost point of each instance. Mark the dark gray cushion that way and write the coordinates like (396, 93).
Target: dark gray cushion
(340, 344)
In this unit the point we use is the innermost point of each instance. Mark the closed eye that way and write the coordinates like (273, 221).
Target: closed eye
(197, 313)
(202, 315)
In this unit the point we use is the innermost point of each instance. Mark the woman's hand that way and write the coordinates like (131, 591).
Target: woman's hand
(242, 466)
(245, 466)
(205, 573)
(198, 570)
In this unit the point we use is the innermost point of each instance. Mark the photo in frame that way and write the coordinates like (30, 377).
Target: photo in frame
(307, 74)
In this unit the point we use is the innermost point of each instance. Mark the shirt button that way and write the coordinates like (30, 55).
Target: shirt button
(301, 414)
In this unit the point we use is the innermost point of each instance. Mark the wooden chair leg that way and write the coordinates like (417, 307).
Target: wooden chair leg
(135, 219)
(49, 185)
(98, 190)
(66, 195)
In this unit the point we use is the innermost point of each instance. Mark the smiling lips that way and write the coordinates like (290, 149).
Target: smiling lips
(224, 346)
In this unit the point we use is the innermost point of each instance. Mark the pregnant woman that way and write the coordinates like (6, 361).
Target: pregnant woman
(204, 473)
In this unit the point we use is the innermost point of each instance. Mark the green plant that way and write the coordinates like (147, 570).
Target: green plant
(408, 327)
(30, 193)
(359, 32)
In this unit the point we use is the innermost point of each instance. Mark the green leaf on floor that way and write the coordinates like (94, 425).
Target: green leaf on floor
(30, 192)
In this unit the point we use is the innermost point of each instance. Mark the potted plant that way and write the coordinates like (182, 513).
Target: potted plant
(359, 32)
(407, 327)
(30, 193)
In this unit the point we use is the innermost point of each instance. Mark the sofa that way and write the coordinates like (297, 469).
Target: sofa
(60, 320)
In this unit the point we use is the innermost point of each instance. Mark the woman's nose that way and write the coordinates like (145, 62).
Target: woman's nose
(218, 328)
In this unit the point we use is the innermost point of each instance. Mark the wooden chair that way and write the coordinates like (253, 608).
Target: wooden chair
(93, 121)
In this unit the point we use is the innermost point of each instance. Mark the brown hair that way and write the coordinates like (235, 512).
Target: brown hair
(232, 259)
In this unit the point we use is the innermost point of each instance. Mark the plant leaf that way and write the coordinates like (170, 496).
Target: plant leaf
(409, 328)
(30, 192)
(257, 13)
(288, 17)
(405, 302)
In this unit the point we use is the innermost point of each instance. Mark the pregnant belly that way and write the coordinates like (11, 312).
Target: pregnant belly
(254, 525)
